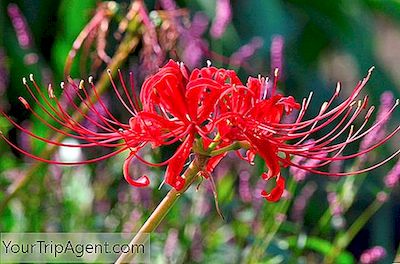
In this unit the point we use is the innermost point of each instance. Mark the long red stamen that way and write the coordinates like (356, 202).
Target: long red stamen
(61, 162)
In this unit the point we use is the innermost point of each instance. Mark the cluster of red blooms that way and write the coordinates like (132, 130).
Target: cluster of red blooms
(211, 105)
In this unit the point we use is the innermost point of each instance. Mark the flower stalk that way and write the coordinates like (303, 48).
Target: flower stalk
(234, 146)
(343, 239)
(196, 166)
(397, 258)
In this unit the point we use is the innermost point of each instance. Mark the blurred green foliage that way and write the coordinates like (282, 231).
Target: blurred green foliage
(324, 40)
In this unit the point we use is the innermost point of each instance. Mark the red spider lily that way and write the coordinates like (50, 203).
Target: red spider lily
(251, 115)
(196, 107)
(184, 101)
(243, 109)
(175, 106)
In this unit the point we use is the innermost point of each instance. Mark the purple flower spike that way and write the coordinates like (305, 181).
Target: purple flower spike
(301, 202)
(192, 42)
(168, 5)
(373, 255)
(393, 177)
(277, 53)
(387, 101)
(244, 186)
(20, 26)
(246, 51)
(3, 72)
(223, 16)
(170, 244)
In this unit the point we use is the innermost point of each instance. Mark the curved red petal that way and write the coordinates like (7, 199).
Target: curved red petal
(268, 153)
(276, 192)
(214, 161)
(175, 166)
(143, 181)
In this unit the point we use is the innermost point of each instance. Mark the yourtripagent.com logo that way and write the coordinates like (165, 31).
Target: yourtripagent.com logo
(71, 247)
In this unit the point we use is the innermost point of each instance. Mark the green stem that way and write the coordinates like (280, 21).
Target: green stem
(234, 146)
(343, 240)
(128, 44)
(214, 144)
(163, 208)
(166, 204)
(397, 257)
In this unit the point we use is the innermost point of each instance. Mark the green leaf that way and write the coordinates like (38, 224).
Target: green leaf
(75, 14)
(323, 247)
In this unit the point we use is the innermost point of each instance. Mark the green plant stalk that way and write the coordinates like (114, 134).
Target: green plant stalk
(128, 44)
(169, 200)
(234, 146)
(342, 240)
(397, 256)
(165, 205)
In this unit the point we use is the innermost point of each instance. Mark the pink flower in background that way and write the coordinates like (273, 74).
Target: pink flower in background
(20, 25)
(373, 255)
(393, 177)
(246, 51)
(382, 118)
(4, 75)
(223, 16)
(276, 53)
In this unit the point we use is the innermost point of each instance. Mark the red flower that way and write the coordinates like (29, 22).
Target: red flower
(253, 114)
(174, 106)
(186, 101)
(244, 109)
(201, 107)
